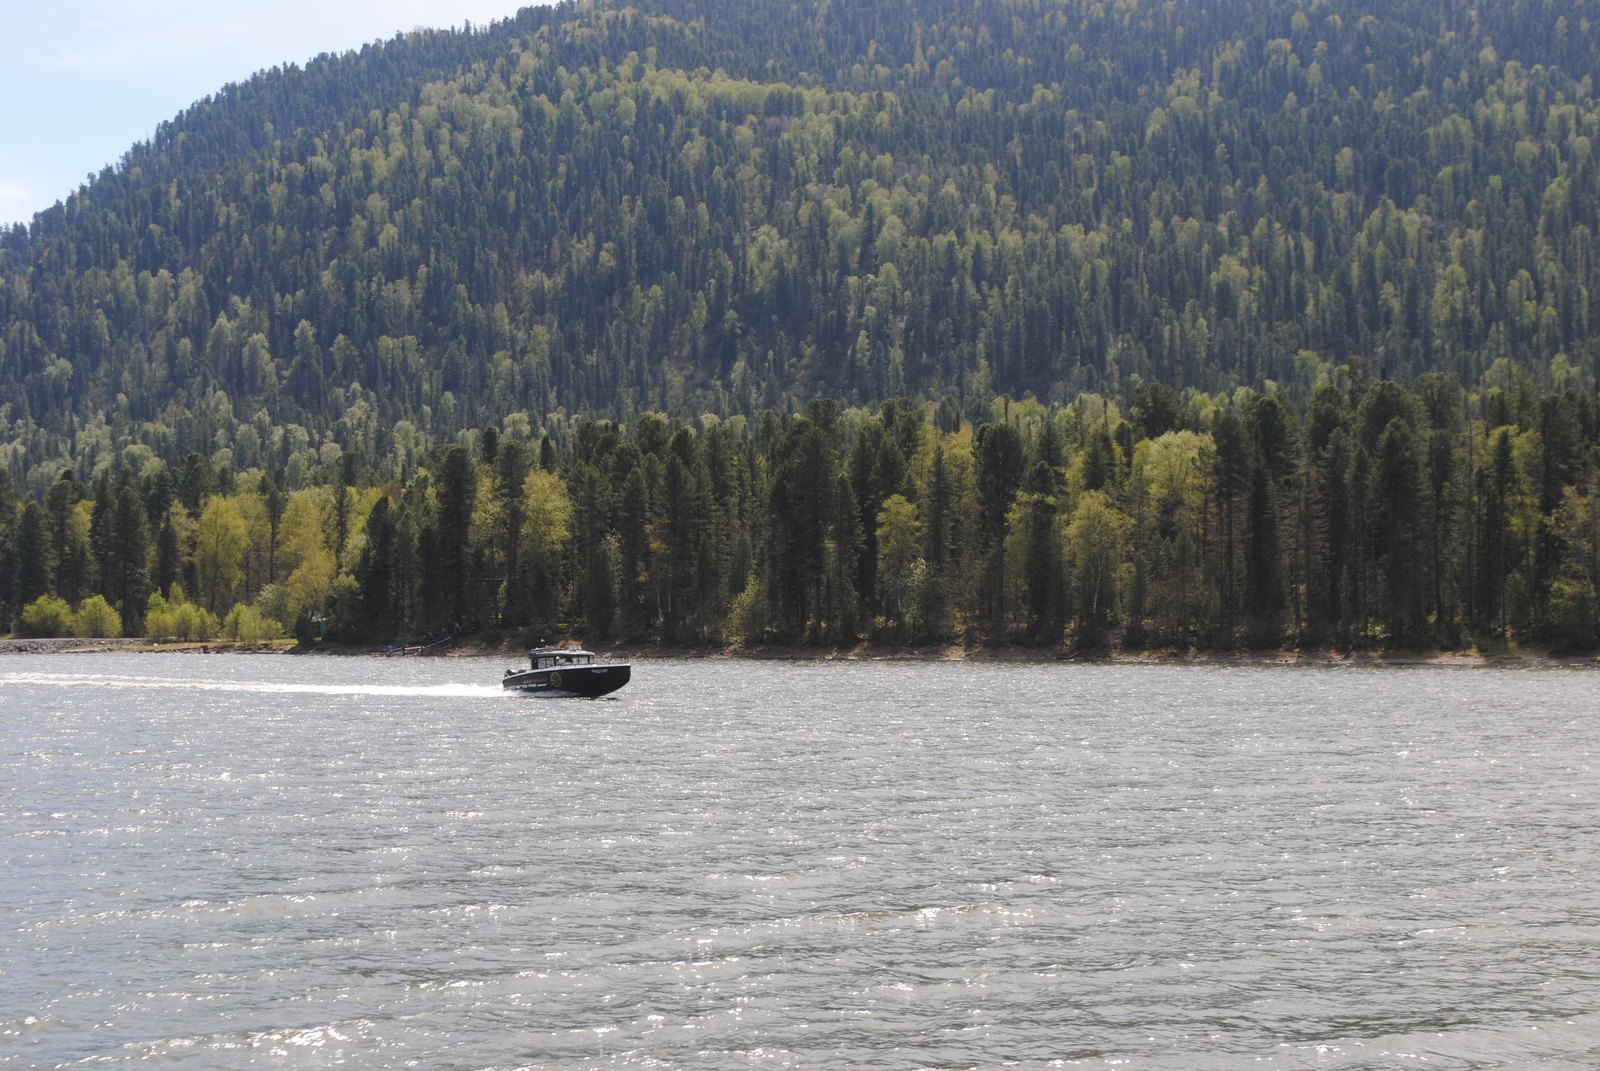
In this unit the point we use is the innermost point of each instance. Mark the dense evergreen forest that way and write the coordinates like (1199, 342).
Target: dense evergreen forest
(1378, 515)
(1038, 321)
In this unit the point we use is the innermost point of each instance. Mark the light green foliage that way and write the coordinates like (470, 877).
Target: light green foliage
(191, 622)
(273, 603)
(178, 620)
(47, 616)
(158, 624)
(1096, 540)
(305, 556)
(899, 534)
(221, 543)
(549, 516)
(247, 624)
(96, 618)
(751, 614)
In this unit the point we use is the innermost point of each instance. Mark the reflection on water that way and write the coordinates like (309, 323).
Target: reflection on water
(220, 862)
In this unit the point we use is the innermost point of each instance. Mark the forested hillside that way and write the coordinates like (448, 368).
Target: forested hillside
(694, 207)
(1326, 265)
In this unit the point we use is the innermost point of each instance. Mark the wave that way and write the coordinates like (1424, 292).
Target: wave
(101, 680)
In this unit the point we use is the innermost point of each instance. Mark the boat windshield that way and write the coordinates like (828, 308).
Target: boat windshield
(551, 661)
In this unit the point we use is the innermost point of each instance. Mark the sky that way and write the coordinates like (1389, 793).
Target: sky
(82, 80)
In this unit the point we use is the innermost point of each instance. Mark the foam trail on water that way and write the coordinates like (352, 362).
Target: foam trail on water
(97, 680)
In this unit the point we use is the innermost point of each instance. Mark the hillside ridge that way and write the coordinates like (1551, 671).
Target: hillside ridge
(698, 206)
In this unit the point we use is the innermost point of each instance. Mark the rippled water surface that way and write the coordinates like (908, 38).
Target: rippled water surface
(269, 861)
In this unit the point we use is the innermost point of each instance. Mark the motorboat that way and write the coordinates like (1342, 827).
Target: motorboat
(556, 672)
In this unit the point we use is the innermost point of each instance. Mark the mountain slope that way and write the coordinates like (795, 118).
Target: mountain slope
(716, 206)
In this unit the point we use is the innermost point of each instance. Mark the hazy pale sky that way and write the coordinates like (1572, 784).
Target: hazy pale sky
(82, 80)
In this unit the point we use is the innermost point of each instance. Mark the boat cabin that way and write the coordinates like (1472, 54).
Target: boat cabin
(555, 658)
(567, 671)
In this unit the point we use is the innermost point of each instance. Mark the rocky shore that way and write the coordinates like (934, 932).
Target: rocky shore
(74, 645)
(25, 645)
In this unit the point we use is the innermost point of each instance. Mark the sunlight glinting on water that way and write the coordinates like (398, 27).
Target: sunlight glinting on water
(268, 861)
(101, 680)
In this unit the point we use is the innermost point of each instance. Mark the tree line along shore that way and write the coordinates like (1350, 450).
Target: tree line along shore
(1344, 510)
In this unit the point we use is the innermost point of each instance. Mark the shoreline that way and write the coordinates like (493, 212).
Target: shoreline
(74, 645)
(861, 653)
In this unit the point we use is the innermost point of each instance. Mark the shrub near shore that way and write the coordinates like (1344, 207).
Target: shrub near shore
(51, 616)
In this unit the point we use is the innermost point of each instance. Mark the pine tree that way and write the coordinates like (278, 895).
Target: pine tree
(839, 619)
(171, 563)
(69, 552)
(1397, 508)
(1263, 563)
(10, 512)
(32, 555)
(877, 471)
(512, 465)
(1232, 476)
(937, 509)
(129, 537)
(633, 519)
(1037, 528)
(375, 570)
(458, 488)
(1496, 481)
(999, 474)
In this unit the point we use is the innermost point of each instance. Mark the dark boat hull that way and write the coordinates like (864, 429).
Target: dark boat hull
(585, 682)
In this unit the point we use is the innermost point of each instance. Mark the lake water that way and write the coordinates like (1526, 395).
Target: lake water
(220, 862)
